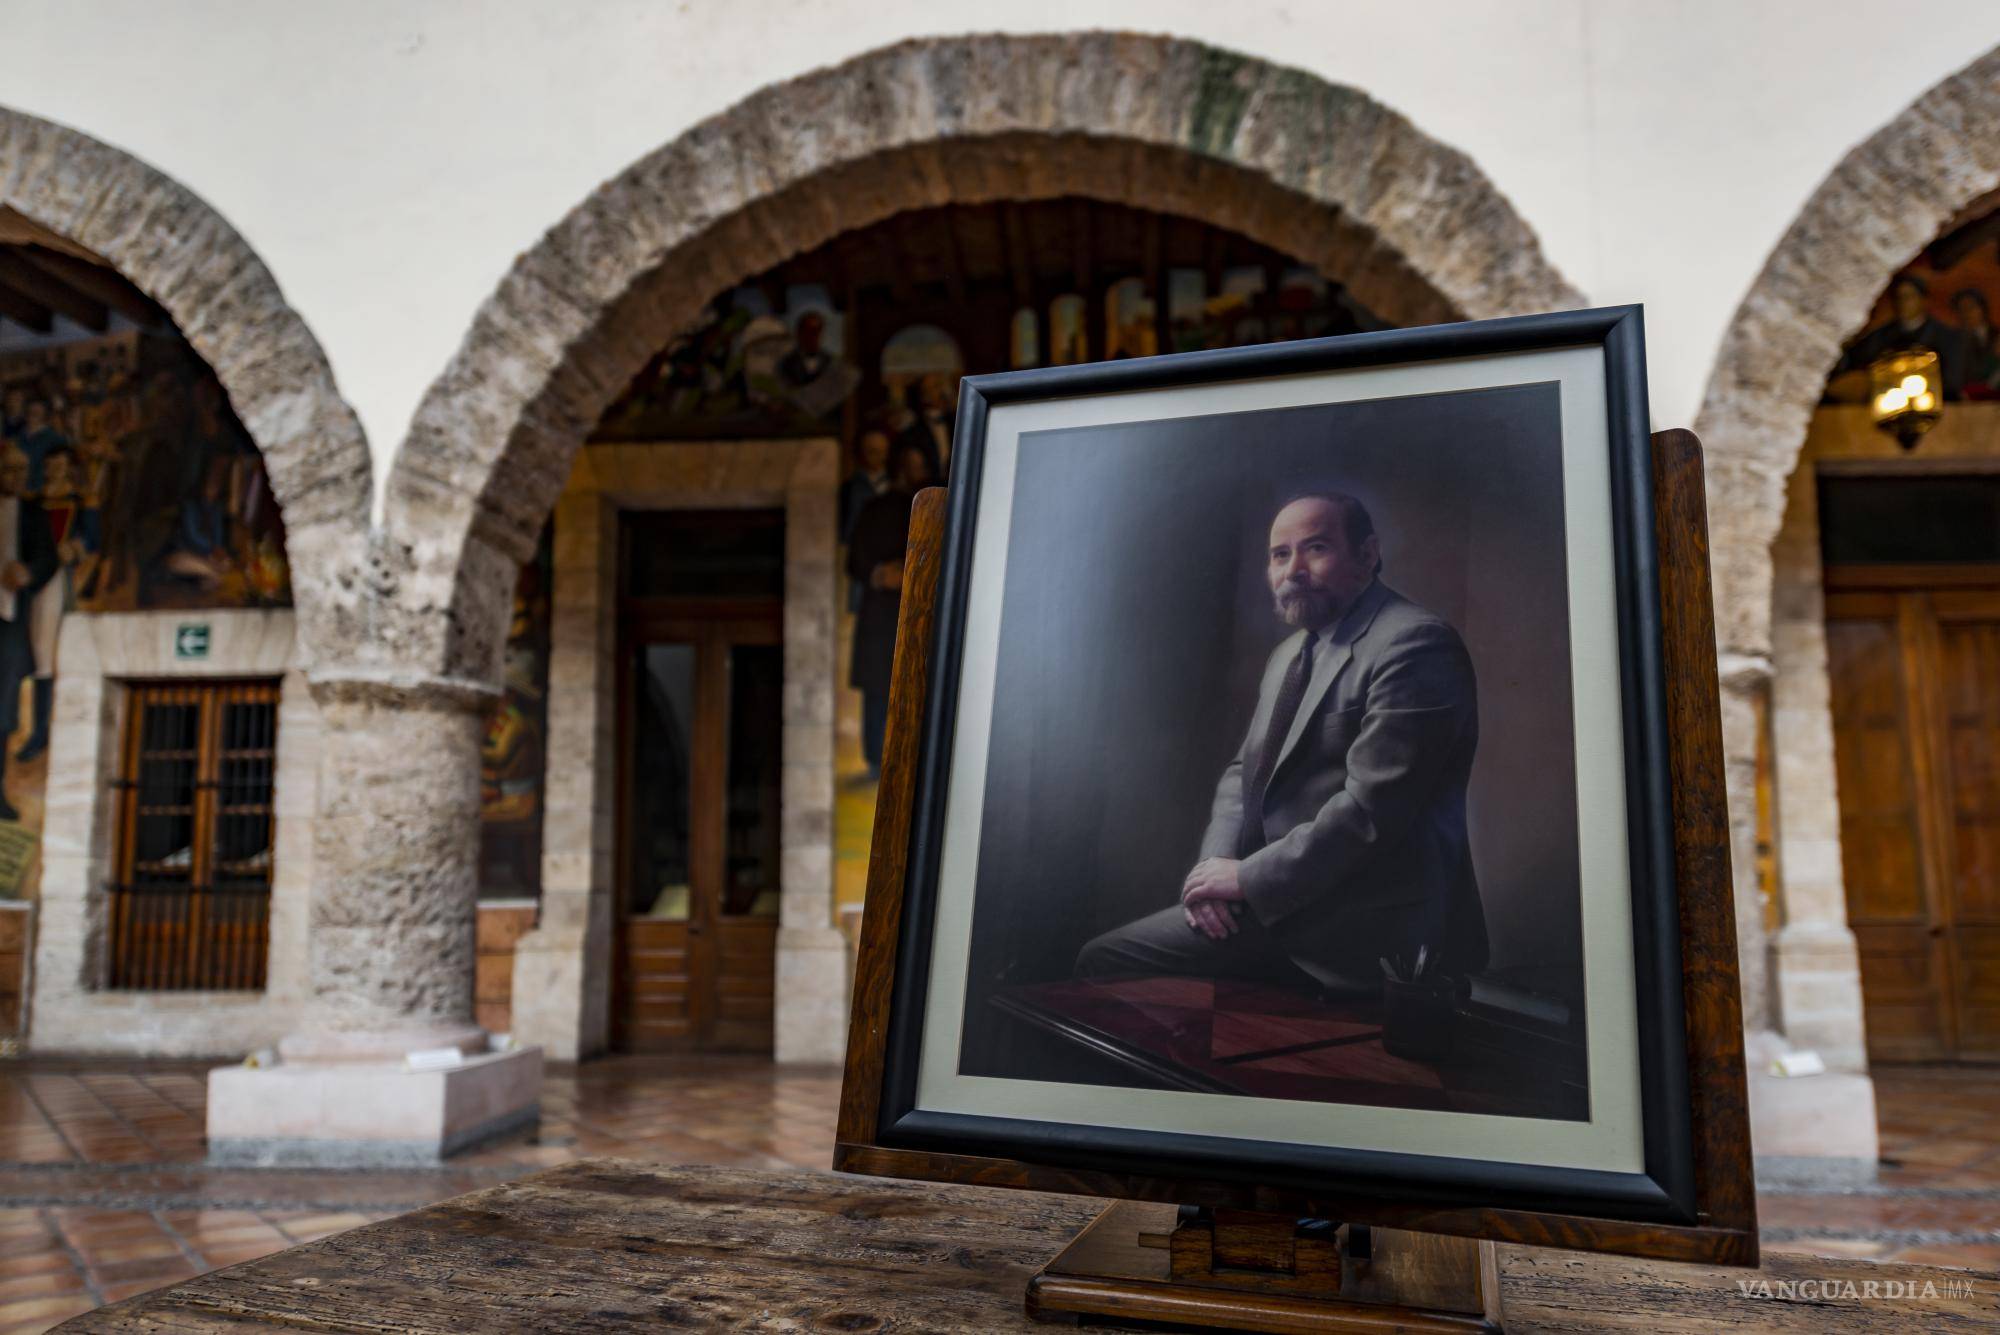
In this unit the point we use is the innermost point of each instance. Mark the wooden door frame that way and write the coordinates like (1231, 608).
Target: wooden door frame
(711, 626)
(611, 483)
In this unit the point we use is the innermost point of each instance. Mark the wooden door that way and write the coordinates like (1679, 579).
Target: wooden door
(1914, 660)
(700, 719)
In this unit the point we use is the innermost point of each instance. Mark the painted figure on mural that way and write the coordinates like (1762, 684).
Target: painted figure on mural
(875, 558)
(869, 479)
(743, 369)
(60, 507)
(142, 469)
(807, 361)
(1911, 325)
(13, 413)
(28, 560)
(199, 549)
(1982, 358)
(512, 747)
(815, 378)
(928, 413)
(40, 436)
(166, 498)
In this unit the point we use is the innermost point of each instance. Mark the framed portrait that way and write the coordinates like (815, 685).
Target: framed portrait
(1291, 813)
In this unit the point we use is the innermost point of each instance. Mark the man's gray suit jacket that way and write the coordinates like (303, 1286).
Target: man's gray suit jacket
(1364, 848)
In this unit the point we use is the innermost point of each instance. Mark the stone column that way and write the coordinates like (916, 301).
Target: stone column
(810, 1024)
(1815, 965)
(395, 887)
(1743, 680)
(562, 969)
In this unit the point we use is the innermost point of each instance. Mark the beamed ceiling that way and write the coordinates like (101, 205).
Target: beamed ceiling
(42, 276)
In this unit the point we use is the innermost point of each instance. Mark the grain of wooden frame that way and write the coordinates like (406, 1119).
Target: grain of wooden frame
(1725, 1231)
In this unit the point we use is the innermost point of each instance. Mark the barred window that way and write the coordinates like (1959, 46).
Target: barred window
(191, 899)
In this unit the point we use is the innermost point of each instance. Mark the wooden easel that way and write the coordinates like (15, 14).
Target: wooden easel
(1240, 1270)
(1257, 1270)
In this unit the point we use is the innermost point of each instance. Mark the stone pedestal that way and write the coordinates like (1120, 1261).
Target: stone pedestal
(1814, 1130)
(367, 1114)
(390, 955)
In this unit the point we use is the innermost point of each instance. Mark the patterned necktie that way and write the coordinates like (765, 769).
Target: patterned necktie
(1291, 692)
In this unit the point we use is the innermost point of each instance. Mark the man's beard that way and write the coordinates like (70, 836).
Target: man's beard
(1299, 605)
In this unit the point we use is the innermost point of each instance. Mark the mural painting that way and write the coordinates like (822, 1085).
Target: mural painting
(512, 758)
(939, 295)
(126, 483)
(745, 369)
(1941, 302)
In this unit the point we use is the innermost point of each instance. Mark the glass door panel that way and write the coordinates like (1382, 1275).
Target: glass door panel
(660, 881)
(756, 721)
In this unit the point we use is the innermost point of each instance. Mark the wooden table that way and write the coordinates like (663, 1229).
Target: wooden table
(604, 1245)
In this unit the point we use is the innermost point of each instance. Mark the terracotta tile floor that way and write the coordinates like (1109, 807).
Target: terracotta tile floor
(103, 1192)
(1937, 1194)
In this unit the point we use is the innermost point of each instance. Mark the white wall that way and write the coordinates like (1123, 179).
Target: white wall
(389, 158)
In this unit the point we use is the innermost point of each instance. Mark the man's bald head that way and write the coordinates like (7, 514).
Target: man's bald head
(1323, 552)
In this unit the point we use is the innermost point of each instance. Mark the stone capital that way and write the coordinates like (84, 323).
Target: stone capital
(1743, 673)
(393, 688)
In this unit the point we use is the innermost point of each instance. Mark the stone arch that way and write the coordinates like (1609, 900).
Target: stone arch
(1887, 199)
(1881, 204)
(1323, 171)
(177, 249)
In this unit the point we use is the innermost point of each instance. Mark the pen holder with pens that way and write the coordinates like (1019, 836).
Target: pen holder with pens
(1417, 1011)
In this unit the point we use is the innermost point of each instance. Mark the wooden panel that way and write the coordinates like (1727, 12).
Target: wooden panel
(1882, 839)
(1718, 1095)
(1968, 714)
(888, 850)
(653, 967)
(502, 926)
(15, 923)
(1976, 967)
(1916, 703)
(493, 976)
(744, 983)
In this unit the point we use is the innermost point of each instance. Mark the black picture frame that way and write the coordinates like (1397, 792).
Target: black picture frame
(1167, 1165)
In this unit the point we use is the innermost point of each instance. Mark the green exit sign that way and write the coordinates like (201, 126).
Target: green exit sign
(191, 639)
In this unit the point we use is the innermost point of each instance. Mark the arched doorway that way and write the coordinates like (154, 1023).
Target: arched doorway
(1886, 663)
(1319, 175)
(847, 356)
(167, 242)
(170, 441)
(1882, 204)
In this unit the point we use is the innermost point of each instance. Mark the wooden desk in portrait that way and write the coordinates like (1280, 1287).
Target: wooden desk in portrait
(1224, 1036)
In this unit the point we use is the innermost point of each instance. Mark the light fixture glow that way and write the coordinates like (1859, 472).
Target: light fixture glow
(1908, 394)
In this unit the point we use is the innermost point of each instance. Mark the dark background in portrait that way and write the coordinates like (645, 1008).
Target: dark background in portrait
(1135, 624)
